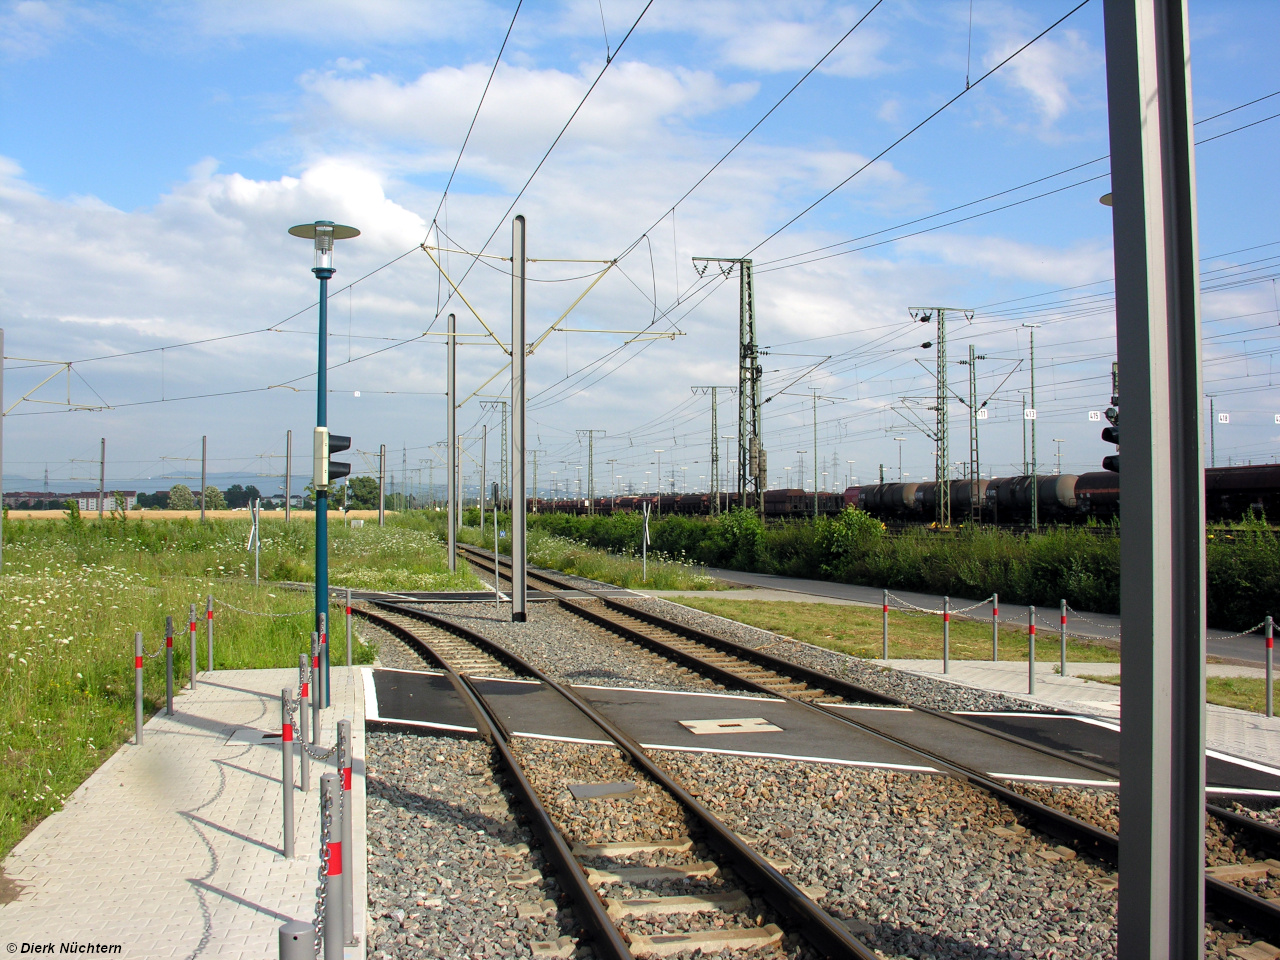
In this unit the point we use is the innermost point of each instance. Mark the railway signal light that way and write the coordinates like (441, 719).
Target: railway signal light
(324, 470)
(1111, 434)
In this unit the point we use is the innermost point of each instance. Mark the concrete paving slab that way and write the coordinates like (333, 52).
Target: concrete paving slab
(172, 849)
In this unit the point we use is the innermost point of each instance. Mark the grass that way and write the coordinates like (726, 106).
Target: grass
(858, 631)
(1242, 693)
(624, 570)
(74, 590)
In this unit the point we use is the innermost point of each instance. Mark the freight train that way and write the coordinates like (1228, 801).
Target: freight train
(1230, 493)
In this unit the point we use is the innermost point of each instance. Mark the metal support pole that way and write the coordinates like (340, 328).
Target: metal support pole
(348, 612)
(484, 458)
(204, 472)
(192, 632)
(322, 677)
(137, 689)
(208, 619)
(1031, 650)
(885, 640)
(257, 537)
(304, 693)
(286, 769)
(497, 586)
(314, 677)
(288, 474)
(1035, 467)
(451, 416)
(102, 475)
(344, 771)
(331, 809)
(946, 634)
(322, 493)
(995, 627)
(168, 664)
(1062, 642)
(1, 448)
(1270, 664)
(1162, 601)
(382, 480)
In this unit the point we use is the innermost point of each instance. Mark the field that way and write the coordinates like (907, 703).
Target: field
(1242, 693)
(74, 590)
(858, 631)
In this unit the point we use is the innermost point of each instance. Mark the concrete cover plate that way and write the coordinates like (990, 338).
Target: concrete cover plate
(744, 725)
(587, 791)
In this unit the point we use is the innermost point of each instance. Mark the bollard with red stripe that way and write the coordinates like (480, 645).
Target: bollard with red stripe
(322, 678)
(344, 771)
(193, 646)
(885, 642)
(304, 691)
(168, 664)
(334, 898)
(995, 627)
(1271, 630)
(315, 687)
(946, 634)
(1062, 642)
(1031, 649)
(137, 688)
(286, 772)
(348, 626)
(208, 617)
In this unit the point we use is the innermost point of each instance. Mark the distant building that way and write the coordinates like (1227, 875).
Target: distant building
(87, 502)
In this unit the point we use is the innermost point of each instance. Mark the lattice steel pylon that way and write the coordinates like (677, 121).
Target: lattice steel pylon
(591, 466)
(942, 471)
(504, 461)
(975, 414)
(715, 443)
(752, 459)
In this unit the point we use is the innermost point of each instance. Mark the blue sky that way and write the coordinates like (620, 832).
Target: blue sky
(152, 157)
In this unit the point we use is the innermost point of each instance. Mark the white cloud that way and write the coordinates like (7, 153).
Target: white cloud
(28, 27)
(385, 21)
(1048, 71)
(1001, 257)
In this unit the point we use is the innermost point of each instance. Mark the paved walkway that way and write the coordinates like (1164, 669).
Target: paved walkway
(172, 849)
(768, 586)
(1235, 732)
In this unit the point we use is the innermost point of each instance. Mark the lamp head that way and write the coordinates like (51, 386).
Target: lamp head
(324, 232)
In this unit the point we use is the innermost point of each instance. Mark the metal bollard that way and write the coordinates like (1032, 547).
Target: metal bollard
(885, 641)
(208, 617)
(946, 634)
(297, 941)
(1031, 649)
(137, 688)
(995, 627)
(331, 806)
(315, 687)
(348, 626)
(322, 678)
(286, 769)
(304, 691)
(1062, 642)
(168, 664)
(348, 888)
(193, 646)
(1270, 663)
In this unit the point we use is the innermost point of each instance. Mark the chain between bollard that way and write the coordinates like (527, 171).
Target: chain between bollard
(322, 874)
(255, 613)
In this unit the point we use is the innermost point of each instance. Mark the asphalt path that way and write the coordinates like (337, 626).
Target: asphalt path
(1087, 626)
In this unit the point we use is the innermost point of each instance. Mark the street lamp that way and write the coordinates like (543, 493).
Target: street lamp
(1059, 442)
(323, 232)
(659, 503)
(901, 441)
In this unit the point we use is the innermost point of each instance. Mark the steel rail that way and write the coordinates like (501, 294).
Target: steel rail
(823, 931)
(606, 937)
(1240, 904)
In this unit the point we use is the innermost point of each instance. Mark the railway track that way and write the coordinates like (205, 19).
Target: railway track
(730, 877)
(747, 668)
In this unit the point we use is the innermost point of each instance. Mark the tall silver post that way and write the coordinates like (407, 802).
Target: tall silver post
(497, 586)
(208, 619)
(192, 632)
(995, 627)
(1031, 650)
(484, 457)
(885, 639)
(348, 611)
(331, 811)
(168, 664)
(382, 480)
(286, 770)
(1161, 897)
(288, 474)
(1035, 467)
(137, 689)
(322, 675)
(1, 447)
(519, 552)
(946, 634)
(1270, 663)
(451, 402)
(344, 772)
(1062, 641)
(315, 686)
(204, 472)
(304, 692)
(102, 475)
